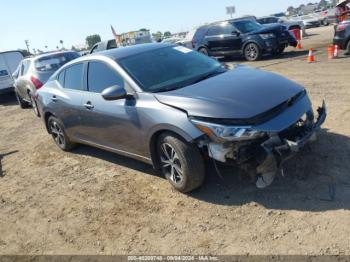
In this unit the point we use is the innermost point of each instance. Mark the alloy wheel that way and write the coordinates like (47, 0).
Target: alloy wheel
(171, 164)
(57, 134)
(252, 51)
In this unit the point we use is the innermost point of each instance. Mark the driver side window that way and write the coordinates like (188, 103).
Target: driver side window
(101, 76)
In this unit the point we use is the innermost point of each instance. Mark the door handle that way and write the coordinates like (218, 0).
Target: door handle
(54, 98)
(88, 105)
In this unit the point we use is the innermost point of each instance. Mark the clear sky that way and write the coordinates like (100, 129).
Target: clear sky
(46, 22)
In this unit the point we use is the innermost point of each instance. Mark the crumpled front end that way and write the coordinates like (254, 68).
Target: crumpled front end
(262, 149)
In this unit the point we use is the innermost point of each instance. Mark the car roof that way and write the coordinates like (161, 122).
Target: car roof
(52, 53)
(244, 18)
(121, 52)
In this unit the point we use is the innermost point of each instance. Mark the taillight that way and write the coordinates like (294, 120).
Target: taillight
(36, 82)
(341, 27)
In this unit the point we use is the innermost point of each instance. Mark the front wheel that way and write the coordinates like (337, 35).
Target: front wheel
(181, 163)
(252, 52)
(203, 51)
(59, 135)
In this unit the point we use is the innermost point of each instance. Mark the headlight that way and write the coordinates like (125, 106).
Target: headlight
(267, 36)
(227, 133)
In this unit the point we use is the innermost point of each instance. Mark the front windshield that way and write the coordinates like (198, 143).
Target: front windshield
(169, 68)
(246, 26)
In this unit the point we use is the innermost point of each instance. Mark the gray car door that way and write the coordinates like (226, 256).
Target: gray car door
(67, 99)
(112, 124)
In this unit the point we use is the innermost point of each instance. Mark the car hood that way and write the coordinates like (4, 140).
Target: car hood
(239, 94)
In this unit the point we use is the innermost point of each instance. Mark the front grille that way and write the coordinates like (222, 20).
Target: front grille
(299, 129)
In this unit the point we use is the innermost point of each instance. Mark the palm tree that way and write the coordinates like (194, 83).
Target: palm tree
(46, 47)
(57, 47)
(61, 42)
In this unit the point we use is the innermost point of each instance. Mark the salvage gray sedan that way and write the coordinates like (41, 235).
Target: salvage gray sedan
(173, 107)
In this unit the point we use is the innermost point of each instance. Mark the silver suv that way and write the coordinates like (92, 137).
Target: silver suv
(32, 73)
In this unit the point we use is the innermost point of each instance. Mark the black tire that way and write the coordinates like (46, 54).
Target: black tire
(22, 104)
(347, 51)
(204, 51)
(184, 168)
(58, 134)
(34, 106)
(252, 52)
(325, 22)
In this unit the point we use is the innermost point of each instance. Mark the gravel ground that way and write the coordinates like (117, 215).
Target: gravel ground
(95, 202)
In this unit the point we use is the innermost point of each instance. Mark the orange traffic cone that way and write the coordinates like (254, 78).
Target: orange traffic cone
(311, 57)
(299, 45)
(336, 51)
(331, 52)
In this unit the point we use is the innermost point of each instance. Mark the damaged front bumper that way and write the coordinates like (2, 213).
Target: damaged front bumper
(263, 159)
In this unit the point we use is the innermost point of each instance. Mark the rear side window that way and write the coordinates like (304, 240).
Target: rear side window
(60, 77)
(224, 29)
(101, 76)
(112, 44)
(73, 77)
(54, 62)
(25, 67)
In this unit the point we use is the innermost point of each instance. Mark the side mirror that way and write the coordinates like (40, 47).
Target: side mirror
(114, 93)
(236, 33)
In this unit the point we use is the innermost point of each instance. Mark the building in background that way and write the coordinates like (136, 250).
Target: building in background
(135, 37)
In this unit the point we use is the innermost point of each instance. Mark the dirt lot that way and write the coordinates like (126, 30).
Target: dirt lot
(94, 202)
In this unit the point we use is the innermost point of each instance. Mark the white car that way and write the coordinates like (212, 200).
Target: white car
(310, 21)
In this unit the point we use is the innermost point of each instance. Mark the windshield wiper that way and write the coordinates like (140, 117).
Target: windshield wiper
(209, 75)
(197, 80)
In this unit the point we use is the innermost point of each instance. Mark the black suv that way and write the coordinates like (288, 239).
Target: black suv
(342, 36)
(242, 37)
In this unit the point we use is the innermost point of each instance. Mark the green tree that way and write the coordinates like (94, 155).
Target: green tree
(61, 42)
(167, 34)
(158, 36)
(91, 40)
(25, 52)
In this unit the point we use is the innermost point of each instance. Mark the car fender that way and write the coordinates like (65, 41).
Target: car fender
(154, 133)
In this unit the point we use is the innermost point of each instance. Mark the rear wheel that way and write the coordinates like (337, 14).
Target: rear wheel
(181, 163)
(22, 104)
(34, 106)
(252, 52)
(58, 134)
(204, 51)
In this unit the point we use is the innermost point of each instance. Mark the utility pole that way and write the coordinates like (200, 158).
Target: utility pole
(27, 44)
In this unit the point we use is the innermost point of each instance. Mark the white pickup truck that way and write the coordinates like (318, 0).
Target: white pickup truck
(9, 62)
(290, 24)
